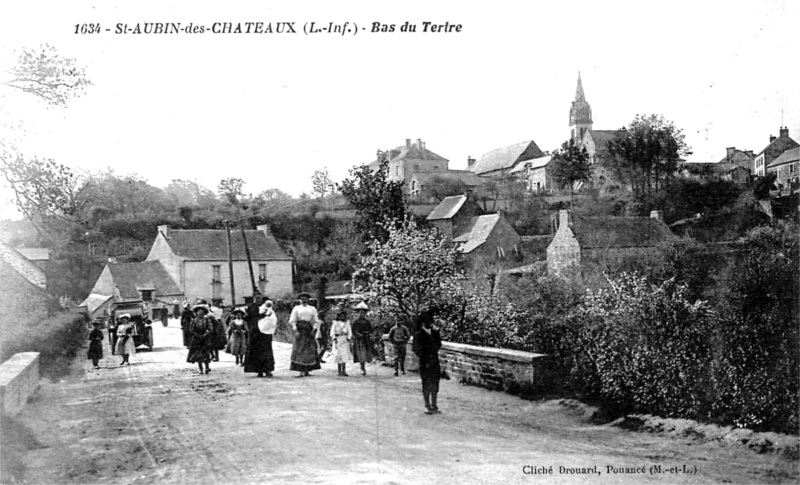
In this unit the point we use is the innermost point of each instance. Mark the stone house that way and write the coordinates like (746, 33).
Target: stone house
(581, 238)
(425, 185)
(147, 281)
(23, 286)
(537, 174)
(772, 151)
(787, 168)
(742, 158)
(479, 238)
(409, 159)
(197, 261)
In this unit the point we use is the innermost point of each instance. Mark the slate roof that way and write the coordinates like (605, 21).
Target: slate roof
(447, 208)
(128, 278)
(619, 232)
(476, 232)
(414, 151)
(532, 164)
(602, 137)
(95, 301)
(788, 156)
(211, 245)
(506, 157)
(464, 176)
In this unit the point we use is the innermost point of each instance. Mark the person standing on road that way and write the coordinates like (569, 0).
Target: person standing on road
(125, 343)
(176, 309)
(202, 344)
(164, 316)
(220, 333)
(399, 335)
(96, 344)
(186, 322)
(305, 323)
(341, 335)
(259, 356)
(237, 336)
(362, 338)
(427, 343)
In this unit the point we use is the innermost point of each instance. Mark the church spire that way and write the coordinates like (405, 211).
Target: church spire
(580, 115)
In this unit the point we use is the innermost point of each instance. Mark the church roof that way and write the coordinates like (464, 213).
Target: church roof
(506, 157)
(580, 112)
(602, 137)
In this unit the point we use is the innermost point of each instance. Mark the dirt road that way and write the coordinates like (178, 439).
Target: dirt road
(158, 421)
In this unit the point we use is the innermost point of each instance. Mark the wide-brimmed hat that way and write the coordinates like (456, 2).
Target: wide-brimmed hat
(304, 295)
(239, 310)
(124, 315)
(200, 306)
(362, 306)
(341, 313)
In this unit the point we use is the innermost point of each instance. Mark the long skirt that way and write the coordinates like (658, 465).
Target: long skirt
(304, 349)
(341, 350)
(200, 349)
(237, 344)
(362, 350)
(259, 357)
(95, 350)
(125, 345)
(187, 335)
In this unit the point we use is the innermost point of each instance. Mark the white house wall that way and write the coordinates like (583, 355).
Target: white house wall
(198, 279)
(169, 260)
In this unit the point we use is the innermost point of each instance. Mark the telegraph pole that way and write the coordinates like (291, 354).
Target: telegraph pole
(249, 263)
(230, 263)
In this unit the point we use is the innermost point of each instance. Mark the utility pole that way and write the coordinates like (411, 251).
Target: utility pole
(230, 264)
(249, 263)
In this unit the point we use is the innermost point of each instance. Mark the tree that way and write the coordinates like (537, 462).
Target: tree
(45, 74)
(646, 153)
(570, 166)
(322, 183)
(230, 189)
(379, 202)
(411, 271)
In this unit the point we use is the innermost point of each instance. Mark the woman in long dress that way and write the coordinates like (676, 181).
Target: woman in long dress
(237, 336)
(203, 341)
(259, 358)
(362, 338)
(186, 323)
(125, 344)
(305, 323)
(96, 344)
(341, 334)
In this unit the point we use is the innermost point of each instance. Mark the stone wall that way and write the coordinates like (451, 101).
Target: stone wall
(512, 371)
(19, 378)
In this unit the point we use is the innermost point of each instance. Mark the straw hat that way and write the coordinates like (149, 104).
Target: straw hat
(362, 306)
(124, 315)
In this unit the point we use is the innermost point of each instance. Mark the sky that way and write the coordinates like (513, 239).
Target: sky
(274, 108)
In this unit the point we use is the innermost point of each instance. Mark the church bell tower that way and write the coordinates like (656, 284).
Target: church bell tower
(580, 115)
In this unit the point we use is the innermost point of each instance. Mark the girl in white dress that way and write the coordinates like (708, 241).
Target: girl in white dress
(341, 334)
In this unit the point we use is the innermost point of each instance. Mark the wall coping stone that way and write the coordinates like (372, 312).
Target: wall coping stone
(10, 369)
(503, 354)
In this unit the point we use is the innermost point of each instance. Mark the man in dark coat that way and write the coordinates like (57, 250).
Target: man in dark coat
(186, 321)
(427, 343)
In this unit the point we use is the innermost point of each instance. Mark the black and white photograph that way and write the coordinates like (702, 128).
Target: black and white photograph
(360, 242)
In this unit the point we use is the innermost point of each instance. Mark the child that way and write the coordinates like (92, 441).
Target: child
(96, 344)
(237, 336)
(341, 334)
(399, 336)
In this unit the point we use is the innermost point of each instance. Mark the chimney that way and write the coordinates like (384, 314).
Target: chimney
(470, 161)
(784, 132)
(419, 143)
(657, 215)
(164, 230)
(563, 218)
(408, 143)
(263, 228)
(771, 138)
(731, 151)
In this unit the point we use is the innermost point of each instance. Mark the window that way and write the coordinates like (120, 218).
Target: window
(147, 295)
(435, 168)
(397, 170)
(416, 167)
(215, 273)
(262, 272)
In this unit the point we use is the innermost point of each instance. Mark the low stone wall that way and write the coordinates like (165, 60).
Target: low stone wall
(512, 371)
(19, 378)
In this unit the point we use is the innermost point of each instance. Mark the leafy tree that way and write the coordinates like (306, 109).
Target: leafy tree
(379, 202)
(570, 166)
(411, 271)
(45, 74)
(646, 153)
(506, 189)
(322, 183)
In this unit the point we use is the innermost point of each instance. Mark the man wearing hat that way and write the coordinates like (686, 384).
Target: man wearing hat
(362, 338)
(427, 343)
(305, 323)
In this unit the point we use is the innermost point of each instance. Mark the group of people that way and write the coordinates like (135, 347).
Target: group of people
(249, 331)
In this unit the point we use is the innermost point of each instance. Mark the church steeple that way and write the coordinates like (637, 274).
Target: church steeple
(580, 115)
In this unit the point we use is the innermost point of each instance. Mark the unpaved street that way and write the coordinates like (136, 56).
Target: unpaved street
(158, 421)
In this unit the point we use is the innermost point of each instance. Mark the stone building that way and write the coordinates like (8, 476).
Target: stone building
(787, 168)
(777, 145)
(409, 159)
(435, 185)
(502, 160)
(197, 260)
(580, 238)
(537, 174)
